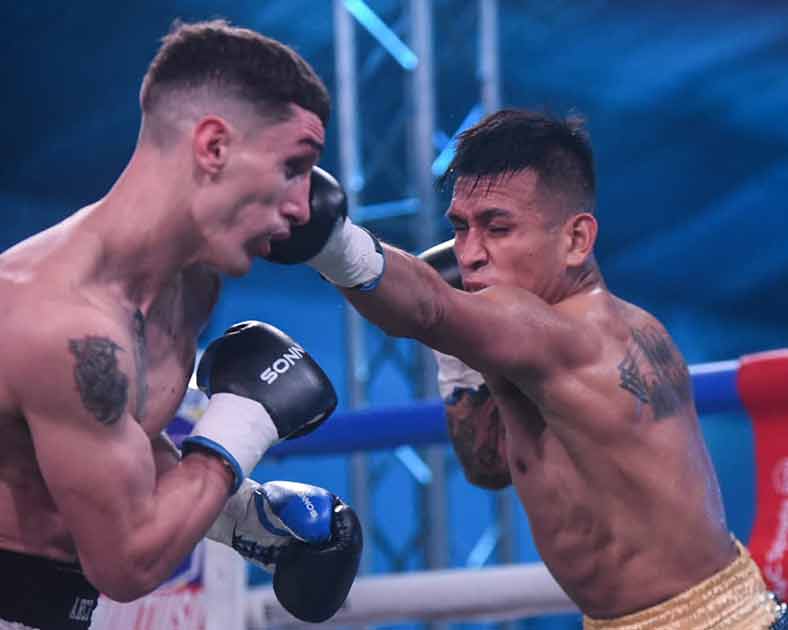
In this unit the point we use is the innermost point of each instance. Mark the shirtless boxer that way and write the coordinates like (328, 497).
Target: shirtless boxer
(586, 404)
(100, 319)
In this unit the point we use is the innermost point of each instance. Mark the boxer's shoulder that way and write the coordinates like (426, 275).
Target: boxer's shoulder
(55, 344)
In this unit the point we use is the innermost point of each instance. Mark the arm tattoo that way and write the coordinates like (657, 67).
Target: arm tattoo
(476, 430)
(631, 378)
(654, 372)
(102, 387)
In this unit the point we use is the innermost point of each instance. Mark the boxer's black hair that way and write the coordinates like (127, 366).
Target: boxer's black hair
(513, 140)
(239, 62)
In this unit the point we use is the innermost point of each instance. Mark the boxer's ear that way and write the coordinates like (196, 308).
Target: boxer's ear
(580, 231)
(210, 143)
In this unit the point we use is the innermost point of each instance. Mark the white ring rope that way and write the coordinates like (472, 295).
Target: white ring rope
(490, 594)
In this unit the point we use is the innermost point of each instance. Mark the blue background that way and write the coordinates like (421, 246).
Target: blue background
(686, 107)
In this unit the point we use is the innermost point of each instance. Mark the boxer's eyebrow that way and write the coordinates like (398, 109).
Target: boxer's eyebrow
(317, 146)
(485, 215)
(488, 214)
(453, 217)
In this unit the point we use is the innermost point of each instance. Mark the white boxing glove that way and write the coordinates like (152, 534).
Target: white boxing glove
(454, 377)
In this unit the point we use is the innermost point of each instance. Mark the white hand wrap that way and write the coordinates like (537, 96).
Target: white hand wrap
(349, 258)
(238, 429)
(238, 526)
(453, 374)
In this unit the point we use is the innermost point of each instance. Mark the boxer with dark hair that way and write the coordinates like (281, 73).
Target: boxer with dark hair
(579, 399)
(101, 317)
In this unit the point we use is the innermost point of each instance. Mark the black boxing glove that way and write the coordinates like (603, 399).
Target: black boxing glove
(312, 581)
(345, 254)
(305, 535)
(442, 259)
(263, 387)
(327, 207)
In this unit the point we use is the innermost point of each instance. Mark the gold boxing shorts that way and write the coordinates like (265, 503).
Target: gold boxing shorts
(734, 598)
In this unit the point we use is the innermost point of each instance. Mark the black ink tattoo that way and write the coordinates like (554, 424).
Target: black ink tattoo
(102, 387)
(475, 428)
(140, 360)
(487, 452)
(654, 372)
(631, 379)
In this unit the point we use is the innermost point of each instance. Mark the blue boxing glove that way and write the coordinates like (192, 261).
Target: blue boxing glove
(305, 535)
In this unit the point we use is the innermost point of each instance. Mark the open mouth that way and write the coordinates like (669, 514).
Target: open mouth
(471, 286)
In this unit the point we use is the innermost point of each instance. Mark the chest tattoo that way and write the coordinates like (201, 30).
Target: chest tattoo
(140, 360)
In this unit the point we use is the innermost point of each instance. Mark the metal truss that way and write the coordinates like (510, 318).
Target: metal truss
(389, 159)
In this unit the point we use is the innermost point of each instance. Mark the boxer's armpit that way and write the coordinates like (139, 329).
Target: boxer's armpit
(478, 436)
(102, 386)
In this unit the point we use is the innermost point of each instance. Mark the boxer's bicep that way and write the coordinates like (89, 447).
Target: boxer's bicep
(507, 330)
(94, 457)
(131, 527)
(101, 484)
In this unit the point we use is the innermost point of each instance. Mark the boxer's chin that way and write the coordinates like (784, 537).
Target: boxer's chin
(238, 266)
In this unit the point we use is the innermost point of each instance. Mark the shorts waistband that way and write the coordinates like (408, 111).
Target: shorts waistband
(43, 593)
(734, 598)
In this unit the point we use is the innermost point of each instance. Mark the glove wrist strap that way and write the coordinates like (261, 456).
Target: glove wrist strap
(351, 257)
(238, 429)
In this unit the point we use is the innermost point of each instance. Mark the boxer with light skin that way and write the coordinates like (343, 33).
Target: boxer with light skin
(101, 319)
(579, 399)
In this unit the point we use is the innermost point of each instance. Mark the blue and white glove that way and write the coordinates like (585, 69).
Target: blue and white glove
(305, 535)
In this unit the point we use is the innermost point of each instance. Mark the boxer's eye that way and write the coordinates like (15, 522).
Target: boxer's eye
(295, 167)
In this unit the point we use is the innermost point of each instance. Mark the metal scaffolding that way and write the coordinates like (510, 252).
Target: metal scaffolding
(412, 218)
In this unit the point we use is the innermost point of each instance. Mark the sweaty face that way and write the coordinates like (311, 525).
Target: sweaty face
(266, 188)
(506, 234)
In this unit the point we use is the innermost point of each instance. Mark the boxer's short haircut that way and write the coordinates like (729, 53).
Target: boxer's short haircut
(237, 63)
(513, 140)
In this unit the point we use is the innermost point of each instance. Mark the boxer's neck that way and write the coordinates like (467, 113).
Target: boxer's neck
(570, 282)
(146, 229)
(584, 279)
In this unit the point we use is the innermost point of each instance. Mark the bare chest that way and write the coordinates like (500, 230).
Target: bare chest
(164, 345)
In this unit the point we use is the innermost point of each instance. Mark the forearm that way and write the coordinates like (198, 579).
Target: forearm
(409, 299)
(479, 439)
(188, 498)
(162, 528)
